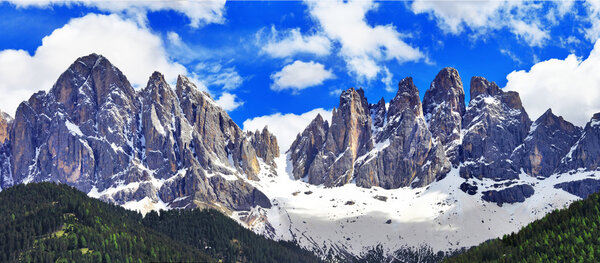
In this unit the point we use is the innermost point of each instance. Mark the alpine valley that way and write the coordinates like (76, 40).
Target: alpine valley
(404, 173)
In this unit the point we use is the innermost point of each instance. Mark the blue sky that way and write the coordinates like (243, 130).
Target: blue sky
(277, 58)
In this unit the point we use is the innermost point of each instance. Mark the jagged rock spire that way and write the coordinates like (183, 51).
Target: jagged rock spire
(307, 145)
(407, 97)
(585, 153)
(550, 138)
(443, 107)
(480, 85)
(378, 113)
(348, 137)
(494, 124)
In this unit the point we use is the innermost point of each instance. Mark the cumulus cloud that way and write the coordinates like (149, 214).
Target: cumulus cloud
(571, 87)
(229, 101)
(362, 46)
(131, 48)
(291, 42)
(521, 17)
(300, 75)
(199, 12)
(285, 126)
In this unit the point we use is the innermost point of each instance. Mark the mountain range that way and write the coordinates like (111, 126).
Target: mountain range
(407, 172)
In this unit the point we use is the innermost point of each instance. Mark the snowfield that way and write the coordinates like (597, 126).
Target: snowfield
(353, 219)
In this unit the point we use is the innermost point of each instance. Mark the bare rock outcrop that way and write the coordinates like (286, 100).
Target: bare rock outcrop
(444, 107)
(494, 124)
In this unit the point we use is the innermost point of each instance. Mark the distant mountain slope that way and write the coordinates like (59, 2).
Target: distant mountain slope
(57, 223)
(567, 235)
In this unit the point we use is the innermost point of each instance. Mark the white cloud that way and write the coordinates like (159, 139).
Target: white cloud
(175, 39)
(199, 12)
(291, 42)
(285, 126)
(229, 101)
(521, 17)
(571, 87)
(362, 45)
(131, 48)
(300, 75)
(387, 80)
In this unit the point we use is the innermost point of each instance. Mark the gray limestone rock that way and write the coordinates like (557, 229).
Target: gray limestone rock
(443, 107)
(581, 188)
(348, 137)
(585, 153)
(405, 153)
(510, 195)
(550, 138)
(494, 124)
(307, 145)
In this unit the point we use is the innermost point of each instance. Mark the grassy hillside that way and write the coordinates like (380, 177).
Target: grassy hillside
(56, 223)
(568, 235)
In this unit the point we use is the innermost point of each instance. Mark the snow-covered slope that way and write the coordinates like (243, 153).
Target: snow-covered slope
(352, 219)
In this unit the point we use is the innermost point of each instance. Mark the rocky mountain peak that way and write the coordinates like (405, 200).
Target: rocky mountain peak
(91, 84)
(5, 169)
(595, 119)
(494, 124)
(443, 107)
(265, 145)
(378, 112)
(352, 100)
(348, 137)
(550, 138)
(548, 119)
(585, 153)
(307, 145)
(158, 91)
(407, 98)
(480, 85)
(5, 120)
(447, 88)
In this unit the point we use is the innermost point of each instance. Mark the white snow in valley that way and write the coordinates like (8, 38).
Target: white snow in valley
(440, 215)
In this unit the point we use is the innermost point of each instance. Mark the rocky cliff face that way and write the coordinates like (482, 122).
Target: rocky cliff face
(5, 171)
(92, 130)
(265, 146)
(5, 121)
(494, 124)
(549, 140)
(373, 145)
(405, 153)
(307, 145)
(585, 153)
(444, 107)
(348, 137)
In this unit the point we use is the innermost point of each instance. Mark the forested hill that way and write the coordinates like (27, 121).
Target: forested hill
(567, 235)
(46, 222)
